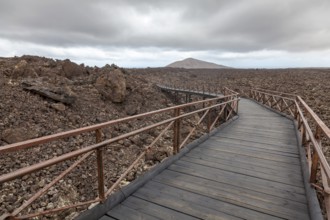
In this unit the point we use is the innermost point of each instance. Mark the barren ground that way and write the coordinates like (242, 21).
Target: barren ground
(22, 109)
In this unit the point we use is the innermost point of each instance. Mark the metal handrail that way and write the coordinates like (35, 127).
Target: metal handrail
(310, 138)
(277, 92)
(200, 90)
(226, 106)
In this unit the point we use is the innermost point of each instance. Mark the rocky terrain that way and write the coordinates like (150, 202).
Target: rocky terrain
(41, 96)
(191, 63)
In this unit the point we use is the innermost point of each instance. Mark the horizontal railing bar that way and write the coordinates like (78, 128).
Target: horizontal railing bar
(323, 161)
(273, 95)
(232, 91)
(184, 90)
(57, 209)
(47, 163)
(53, 137)
(316, 118)
(273, 91)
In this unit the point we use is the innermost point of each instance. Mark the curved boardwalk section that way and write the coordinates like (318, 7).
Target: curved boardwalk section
(249, 170)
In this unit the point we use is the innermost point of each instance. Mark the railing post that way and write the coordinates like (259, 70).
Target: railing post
(209, 119)
(296, 113)
(176, 132)
(315, 158)
(225, 112)
(264, 99)
(303, 135)
(99, 158)
(299, 121)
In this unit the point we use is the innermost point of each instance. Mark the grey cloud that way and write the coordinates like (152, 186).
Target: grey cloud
(239, 26)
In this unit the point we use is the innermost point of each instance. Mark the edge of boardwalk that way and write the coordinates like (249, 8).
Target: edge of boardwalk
(314, 207)
(313, 203)
(99, 210)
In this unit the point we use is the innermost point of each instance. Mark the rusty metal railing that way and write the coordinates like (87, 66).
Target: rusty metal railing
(312, 131)
(222, 109)
(204, 89)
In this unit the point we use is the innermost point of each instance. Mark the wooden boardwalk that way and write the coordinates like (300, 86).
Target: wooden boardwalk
(249, 170)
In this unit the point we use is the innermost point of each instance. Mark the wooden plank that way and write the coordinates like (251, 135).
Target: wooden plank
(248, 178)
(257, 127)
(239, 127)
(174, 202)
(259, 140)
(266, 129)
(270, 122)
(261, 116)
(233, 139)
(248, 144)
(287, 138)
(231, 210)
(241, 158)
(284, 173)
(250, 154)
(262, 134)
(124, 212)
(253, 124)
(243, 181)
(173, 177)
(254, 148)
(227, 142)
(266, 140)
(262, 203)
(150, 208)
(265, 118)
(264, 175)
(253, 152)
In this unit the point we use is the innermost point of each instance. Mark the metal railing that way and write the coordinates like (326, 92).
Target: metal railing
(213, 112)
(312, 130)
(204, 89)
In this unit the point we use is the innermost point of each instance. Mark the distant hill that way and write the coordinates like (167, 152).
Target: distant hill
(191, 63)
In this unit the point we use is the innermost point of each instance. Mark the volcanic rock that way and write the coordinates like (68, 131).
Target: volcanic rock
(112, 86)
(132, 109)
(58, 106)
(71, 70)
(13, 135)
(22, 69)
(60, 94)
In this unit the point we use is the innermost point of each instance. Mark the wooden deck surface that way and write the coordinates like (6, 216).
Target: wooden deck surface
(249, 170)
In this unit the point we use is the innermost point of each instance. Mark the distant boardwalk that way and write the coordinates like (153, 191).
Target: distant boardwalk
(249, 170)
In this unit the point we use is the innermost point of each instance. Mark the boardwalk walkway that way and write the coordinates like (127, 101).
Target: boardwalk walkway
(249, 170)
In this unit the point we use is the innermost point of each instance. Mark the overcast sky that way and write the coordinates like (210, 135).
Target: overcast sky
(141, 33)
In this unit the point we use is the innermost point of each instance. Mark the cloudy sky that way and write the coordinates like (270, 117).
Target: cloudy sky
(141, 33)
